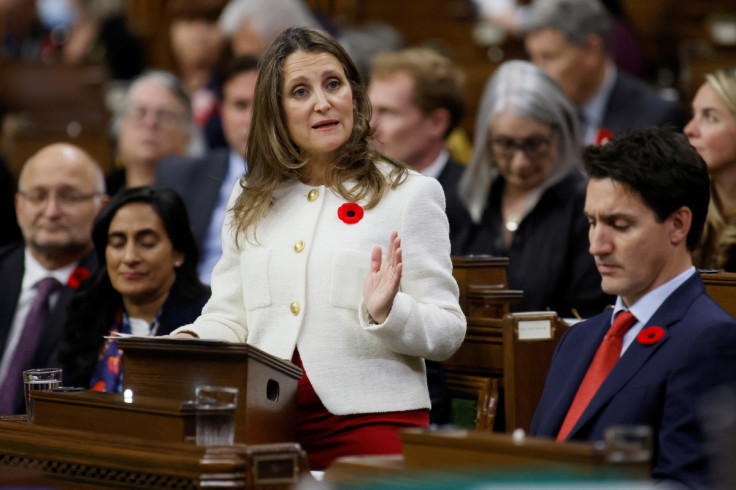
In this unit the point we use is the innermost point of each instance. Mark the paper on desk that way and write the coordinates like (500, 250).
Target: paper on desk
(119, 335)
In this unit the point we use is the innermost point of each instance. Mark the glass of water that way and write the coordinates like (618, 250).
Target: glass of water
(629, 443)
(43, 379)
(216, 415)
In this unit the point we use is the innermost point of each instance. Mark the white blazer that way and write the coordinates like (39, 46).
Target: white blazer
(301, 286)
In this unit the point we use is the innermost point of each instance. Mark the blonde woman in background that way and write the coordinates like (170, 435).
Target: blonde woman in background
(712, 131)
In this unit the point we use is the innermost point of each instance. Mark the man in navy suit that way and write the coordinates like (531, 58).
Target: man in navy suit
(646, 203)
(569, 39)
(205, 183)
(60, 191)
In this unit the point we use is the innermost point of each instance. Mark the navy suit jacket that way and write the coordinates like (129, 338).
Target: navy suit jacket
(660, 384)
(633, 105)
(198, 182)
(12, 268)
(450, 176)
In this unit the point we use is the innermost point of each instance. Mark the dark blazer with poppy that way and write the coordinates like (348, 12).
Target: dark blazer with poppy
(12, 269)
(660, 384)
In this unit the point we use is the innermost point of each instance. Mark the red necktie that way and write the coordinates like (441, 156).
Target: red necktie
(23, 354)
(605, 357)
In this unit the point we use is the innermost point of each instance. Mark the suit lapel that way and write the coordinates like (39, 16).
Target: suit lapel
(637, 355)
(53, 330)
(207, 182)
(595, 329)
(617, 109)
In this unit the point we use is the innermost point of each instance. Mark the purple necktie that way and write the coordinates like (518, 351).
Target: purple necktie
(32, 327)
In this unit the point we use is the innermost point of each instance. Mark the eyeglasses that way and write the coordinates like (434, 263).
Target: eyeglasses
(533, 147)
(164, 117)
(66, 198)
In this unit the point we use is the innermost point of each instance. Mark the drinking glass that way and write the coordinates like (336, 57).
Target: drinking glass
(43, 379)
(215, 407)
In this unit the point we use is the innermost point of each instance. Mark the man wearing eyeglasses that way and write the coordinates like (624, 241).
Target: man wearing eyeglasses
(60, 191)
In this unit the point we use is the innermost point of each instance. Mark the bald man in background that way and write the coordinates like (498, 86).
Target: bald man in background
(60, 191)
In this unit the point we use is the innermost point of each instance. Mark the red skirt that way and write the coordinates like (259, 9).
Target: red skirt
(325, 436)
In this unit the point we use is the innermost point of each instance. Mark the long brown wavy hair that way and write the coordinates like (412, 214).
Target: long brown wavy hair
(272, 155)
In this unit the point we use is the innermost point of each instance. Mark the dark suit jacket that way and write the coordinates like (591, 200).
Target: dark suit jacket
(8, 222)
(633, 105)
(198, 182)
(660, 384)
(12, 268)
(450, 176)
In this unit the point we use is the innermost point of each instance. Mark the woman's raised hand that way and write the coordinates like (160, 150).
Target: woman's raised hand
(382, 282)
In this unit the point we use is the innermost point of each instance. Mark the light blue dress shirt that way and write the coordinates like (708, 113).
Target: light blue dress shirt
(212, 243)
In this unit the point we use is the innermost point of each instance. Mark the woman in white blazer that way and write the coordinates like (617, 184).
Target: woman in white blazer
(303, 273)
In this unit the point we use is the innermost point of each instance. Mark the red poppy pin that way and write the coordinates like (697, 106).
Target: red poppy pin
(650, 335)
(603, 136)
(79, 275)
(350, 213)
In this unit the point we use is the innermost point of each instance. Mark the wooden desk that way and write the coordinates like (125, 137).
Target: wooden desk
(478, 271)
(499, 345)
(76, 459)
(144, 440)
(160, 367)
(529, 342)
(461, 452)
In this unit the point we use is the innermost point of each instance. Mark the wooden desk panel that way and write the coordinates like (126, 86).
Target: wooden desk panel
(478, 270)
(74, 459)
(172, 368)
(111, 413)
(454, 454)
(426, 448)
(481, 352)
(526, 364)
(721, 286)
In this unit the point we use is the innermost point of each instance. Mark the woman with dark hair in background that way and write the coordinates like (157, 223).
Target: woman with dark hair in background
(146, 283)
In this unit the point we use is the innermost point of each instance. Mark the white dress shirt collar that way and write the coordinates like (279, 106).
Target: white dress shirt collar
(34, 272)
(648, 304)
(435, 169)
(595, 108)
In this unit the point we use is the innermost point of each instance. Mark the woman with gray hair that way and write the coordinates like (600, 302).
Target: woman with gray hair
(523, 192)
(153, 122)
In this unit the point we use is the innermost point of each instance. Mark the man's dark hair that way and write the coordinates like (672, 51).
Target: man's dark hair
(660, 165)
(237, 65)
